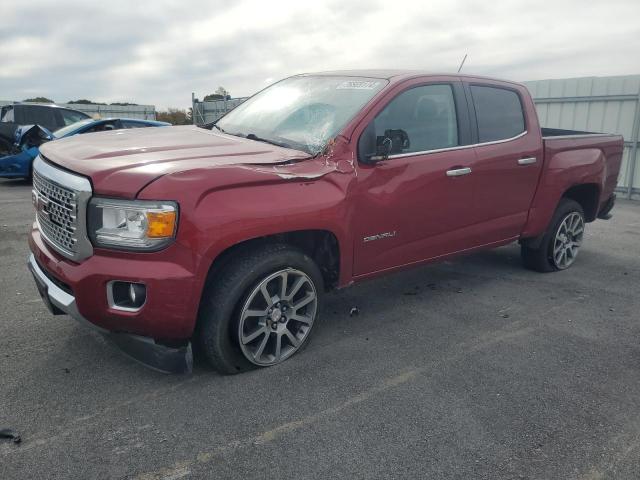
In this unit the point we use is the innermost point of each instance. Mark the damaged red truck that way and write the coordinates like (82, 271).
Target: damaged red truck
(229, 236)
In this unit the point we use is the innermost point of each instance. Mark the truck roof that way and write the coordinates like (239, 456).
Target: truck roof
(399, 74)
(41, 104)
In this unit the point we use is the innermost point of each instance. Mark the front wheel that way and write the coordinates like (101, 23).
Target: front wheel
(561, 243)
(260, 309)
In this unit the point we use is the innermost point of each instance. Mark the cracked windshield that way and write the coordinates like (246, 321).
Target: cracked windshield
(302, 112)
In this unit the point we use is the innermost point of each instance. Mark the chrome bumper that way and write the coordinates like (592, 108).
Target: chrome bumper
(142, 349)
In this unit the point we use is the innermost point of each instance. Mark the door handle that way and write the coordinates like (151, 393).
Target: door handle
(457, 172)
(527, 161)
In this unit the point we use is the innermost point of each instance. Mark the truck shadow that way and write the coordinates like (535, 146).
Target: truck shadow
(368, 306)
(13, 183)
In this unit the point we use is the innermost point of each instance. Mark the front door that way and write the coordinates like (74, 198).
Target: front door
(416, 204)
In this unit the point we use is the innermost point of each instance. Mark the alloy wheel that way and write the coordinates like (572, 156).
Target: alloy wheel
(567, 240)
(277, 317)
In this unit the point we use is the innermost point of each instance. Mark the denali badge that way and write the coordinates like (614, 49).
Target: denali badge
(379, 236)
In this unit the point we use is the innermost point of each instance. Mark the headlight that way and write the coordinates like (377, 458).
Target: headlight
(132, 224)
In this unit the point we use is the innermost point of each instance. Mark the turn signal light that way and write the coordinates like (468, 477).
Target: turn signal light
(161, 224)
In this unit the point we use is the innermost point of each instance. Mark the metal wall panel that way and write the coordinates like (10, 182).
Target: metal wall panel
(595, 104)
(144, 112)
(207, 112)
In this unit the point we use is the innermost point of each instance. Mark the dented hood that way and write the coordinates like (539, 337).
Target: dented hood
(123, 162)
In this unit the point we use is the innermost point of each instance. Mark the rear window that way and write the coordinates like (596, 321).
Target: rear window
(6, 114)
(499, 113)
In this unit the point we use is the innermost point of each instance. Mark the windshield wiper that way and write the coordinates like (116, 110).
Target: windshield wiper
(210, 126)
(253, 136)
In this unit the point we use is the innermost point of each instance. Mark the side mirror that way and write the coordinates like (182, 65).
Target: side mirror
(384, 147)
(373, 149)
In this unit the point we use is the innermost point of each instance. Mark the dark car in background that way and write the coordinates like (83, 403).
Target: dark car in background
(49, 116)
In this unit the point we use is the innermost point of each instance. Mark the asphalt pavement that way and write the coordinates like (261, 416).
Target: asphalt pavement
(472, 368)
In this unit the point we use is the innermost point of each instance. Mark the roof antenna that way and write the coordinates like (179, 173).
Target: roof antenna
(462, 63)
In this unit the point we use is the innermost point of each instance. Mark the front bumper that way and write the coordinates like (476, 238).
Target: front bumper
(167, 318)
(173, 291)
(142, 349)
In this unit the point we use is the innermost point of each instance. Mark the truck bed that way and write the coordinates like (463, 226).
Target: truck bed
(559, 132)
(604, 149)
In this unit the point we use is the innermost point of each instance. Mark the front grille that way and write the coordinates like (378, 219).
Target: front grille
(60, 199)
(57, 212)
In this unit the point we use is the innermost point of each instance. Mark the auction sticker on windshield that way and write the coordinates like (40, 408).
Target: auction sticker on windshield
(357, 85)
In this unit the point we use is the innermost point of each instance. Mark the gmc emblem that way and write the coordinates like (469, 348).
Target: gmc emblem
(39, 203)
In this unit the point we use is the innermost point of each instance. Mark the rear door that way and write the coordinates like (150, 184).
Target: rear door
(509, 158)
(416, 204)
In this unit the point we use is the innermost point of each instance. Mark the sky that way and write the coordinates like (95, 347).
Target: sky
(158, 52)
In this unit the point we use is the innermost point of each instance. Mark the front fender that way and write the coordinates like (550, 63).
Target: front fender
(222, 207)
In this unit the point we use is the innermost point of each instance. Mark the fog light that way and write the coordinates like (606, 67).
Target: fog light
(127, 296)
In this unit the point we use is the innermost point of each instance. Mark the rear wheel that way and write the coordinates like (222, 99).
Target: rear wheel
(561, 243)
(260, 309)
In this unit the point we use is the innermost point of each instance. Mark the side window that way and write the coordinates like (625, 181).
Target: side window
(499, 113)
(43, 116)
(104, 127)
(69, 116)
(419, 119)
(131, 124)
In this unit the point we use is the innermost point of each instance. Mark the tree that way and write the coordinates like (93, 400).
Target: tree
(84, 101)
(39, 100)
(174, 116)
(124, 104)
(220, 94)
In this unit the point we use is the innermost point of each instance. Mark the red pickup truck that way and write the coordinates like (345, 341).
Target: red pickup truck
(229, 236)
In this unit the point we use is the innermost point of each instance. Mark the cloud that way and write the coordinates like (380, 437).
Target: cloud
(159, 52)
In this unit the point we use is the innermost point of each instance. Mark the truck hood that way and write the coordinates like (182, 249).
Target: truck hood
(123, 162)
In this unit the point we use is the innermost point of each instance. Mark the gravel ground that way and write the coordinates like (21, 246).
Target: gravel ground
(473, 368)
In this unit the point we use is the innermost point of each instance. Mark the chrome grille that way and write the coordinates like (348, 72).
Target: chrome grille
(60, 199)
(57, 212)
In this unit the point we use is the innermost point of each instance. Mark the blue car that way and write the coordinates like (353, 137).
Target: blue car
(28, 138)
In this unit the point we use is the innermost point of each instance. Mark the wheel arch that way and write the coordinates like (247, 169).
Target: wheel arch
(588, 196)
(321, 245)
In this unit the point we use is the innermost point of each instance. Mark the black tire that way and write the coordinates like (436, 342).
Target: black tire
(225, 293)
(540, 258)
